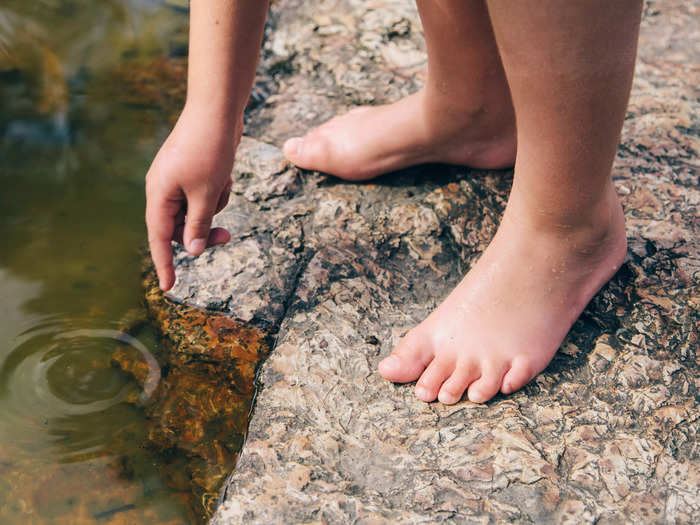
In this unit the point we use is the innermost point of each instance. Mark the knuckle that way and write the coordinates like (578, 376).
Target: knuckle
(199, 223)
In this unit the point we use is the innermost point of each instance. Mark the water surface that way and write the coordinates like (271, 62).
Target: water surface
(82, 112)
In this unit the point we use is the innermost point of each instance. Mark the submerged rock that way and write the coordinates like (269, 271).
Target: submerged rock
(197, 415)
(339, 272)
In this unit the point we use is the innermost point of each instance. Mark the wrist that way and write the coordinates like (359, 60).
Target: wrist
(218, 118)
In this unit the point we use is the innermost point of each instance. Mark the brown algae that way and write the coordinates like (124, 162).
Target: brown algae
(197, 417)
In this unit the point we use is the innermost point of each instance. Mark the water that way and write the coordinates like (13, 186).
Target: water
(79, 124)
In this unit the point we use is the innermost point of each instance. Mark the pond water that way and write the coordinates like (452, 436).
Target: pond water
(76, 138)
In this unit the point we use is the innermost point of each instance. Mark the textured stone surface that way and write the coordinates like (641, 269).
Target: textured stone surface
(253, 276)
(608, 433)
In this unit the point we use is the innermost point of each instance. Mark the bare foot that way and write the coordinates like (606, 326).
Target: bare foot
(418, 129)
(504, 322)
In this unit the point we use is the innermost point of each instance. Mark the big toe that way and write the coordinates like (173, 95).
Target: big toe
(400, 369)
(311, 152)
(406, 362)
(293, 147)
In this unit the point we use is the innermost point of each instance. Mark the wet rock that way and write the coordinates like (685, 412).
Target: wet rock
(252, 277)
(197, 415)
(339, 272)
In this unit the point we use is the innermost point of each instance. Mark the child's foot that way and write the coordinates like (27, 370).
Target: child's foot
(418, 129)
(505, 321)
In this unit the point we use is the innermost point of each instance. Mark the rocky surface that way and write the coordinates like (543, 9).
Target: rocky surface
(338, 272)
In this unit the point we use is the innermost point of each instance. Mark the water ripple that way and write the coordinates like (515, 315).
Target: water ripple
(59, 389)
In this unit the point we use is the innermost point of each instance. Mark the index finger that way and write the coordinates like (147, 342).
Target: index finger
(160, 222)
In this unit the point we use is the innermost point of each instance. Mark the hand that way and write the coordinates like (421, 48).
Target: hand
(188, 183)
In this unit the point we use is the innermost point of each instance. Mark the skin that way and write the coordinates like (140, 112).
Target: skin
(552, 77)
(189, 181)
(463, 115)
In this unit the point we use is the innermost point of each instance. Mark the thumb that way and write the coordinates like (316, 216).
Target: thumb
(200, 211)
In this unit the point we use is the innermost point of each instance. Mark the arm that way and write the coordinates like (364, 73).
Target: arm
(190, 178)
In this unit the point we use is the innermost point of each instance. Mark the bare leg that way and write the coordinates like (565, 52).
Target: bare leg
(462, 116)
(569, 66)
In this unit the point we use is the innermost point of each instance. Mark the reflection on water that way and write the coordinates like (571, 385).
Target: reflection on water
(75, 142)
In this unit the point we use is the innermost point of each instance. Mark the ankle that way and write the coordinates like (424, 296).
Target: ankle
(454, 112)
(601, 223)
(464, 131)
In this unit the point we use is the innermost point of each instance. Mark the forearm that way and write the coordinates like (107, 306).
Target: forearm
(225, 40)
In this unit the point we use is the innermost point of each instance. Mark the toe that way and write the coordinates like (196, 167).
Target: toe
(453, 389)
(311, 152)
(520, 373)
(432, 379)
(407, 361)
(488, 384)
(293, 147)
(359, 110)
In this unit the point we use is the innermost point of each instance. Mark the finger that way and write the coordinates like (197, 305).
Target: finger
(200, 211)
(178, 232)
(179, 228)
(223, 199)
(160, 223)
(218, 236)
(179, 218)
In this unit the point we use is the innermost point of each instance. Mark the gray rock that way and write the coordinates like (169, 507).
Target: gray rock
(252, 277)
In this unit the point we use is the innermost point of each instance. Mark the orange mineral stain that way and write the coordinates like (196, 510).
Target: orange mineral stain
(198, 415)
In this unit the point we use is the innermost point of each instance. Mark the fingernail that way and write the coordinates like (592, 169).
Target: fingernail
(197, 245)
(293, 146)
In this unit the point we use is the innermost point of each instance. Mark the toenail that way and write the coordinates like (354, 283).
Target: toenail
(476, 397)
(447, 398)
(293, 145)
(422, 392)
(392, 362)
